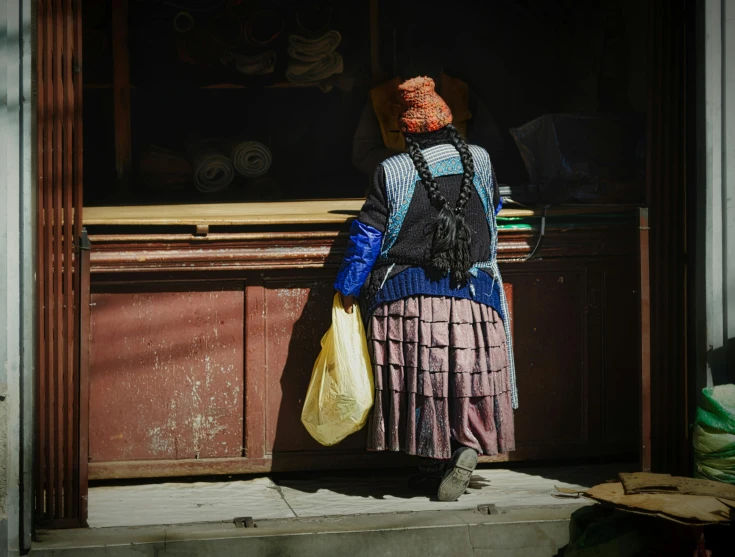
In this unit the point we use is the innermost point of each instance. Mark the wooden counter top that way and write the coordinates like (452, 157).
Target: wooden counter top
(227, 214)
(284, 213)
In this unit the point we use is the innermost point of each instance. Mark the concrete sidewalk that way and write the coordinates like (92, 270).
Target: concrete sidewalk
(314, 494)
(324, 514)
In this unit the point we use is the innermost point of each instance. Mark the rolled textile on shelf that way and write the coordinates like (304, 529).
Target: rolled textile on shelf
(213, 171)
(306, 73)
(251, 159)
(313, 50)
(260, 64)
(183, 22)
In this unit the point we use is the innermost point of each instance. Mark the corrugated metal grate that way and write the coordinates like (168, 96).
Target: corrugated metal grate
(58, 499)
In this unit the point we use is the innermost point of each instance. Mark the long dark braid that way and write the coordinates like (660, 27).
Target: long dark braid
(450, 247)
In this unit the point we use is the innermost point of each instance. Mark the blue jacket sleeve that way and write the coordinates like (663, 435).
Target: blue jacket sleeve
(362, 252)
(496, 193)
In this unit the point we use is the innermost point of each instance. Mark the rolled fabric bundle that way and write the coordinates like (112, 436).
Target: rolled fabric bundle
(251, 159)
(183, 22)
(260, 64)
(313, 50)
(263, 28)
(213, 171)
(306, 73)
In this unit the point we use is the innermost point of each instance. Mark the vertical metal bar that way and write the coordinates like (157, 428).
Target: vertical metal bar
(68, 240)
(78, 136)
(59, 194)
(58, 263)
(48, 226)
(645, 335)
(666, 179)
(41, 269)
(83, 318)
(81, 298)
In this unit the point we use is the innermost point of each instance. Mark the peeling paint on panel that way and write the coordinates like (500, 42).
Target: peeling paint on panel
(166, 375)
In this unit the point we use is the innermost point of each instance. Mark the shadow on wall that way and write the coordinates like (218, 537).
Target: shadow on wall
(303, 316)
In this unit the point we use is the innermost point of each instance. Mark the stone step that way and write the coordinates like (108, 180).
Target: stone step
(528, 531)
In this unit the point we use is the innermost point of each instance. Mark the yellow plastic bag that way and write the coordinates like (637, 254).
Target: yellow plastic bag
(340, 393)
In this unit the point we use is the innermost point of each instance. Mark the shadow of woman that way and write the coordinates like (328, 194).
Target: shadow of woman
(305, 308)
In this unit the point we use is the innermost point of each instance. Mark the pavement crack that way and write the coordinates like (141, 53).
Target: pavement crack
(283, 496)
(469, 537)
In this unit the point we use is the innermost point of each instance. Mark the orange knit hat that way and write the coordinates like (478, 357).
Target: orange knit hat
(425, 111)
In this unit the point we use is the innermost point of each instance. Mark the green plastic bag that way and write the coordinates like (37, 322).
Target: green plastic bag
(714, 435)
(340, 393)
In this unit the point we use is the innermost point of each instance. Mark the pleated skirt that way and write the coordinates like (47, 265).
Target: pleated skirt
(441, 378)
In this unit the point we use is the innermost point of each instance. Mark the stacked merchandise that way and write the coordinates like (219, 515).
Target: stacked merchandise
(232, 35)
(314, 60)
(250, 158)
(210, 165)
(245, 39)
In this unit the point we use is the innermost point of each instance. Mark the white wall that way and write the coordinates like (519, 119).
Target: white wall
(16, 275)
(717, 235)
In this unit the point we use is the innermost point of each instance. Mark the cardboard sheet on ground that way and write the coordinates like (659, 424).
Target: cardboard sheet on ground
(643, 482)
(687, 509)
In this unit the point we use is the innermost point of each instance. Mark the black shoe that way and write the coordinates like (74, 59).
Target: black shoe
(458, 474)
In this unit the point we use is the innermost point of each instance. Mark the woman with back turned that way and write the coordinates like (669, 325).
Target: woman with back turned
(421, 262)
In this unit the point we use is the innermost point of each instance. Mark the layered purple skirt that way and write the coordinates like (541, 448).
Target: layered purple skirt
(441, 378)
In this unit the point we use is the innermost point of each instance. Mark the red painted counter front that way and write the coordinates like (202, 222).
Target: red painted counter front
(201, 345)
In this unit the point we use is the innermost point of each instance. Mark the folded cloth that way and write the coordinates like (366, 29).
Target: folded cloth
(213, 171)
(313, 50)
(250, 158)
(310, 73)
(183, 22)
(260, 64)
